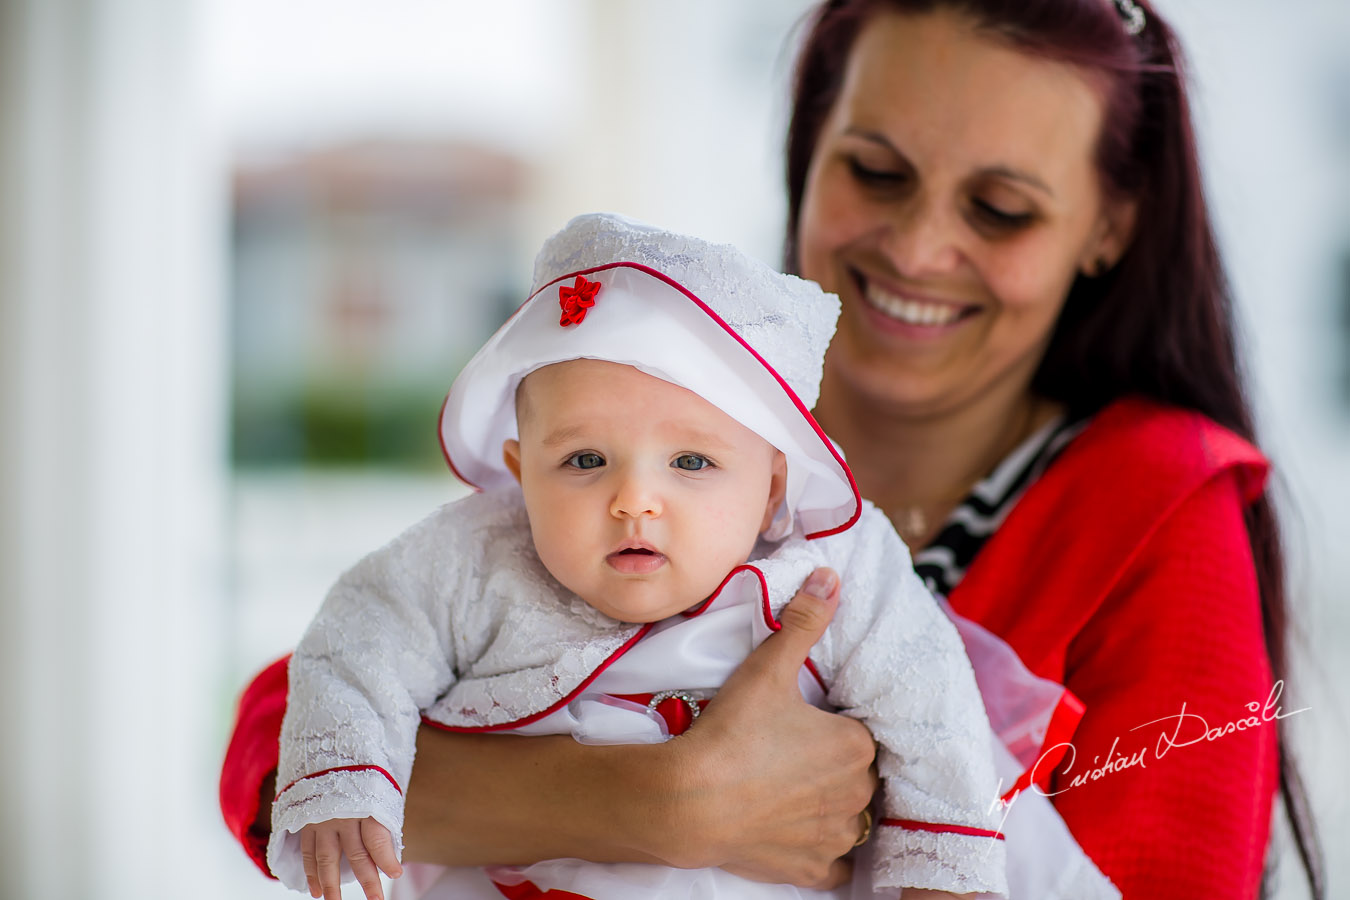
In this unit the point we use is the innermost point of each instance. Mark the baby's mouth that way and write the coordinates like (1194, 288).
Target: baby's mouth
(636, 560)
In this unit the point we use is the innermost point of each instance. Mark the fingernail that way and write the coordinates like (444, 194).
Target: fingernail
(820, 584)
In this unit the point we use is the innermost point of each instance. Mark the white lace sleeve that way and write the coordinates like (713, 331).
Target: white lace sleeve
(893, 659)
(379, 650)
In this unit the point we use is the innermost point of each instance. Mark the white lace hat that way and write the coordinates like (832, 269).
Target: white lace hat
(703, 316)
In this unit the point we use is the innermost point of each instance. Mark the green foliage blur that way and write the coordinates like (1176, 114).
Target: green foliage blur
(340, 423)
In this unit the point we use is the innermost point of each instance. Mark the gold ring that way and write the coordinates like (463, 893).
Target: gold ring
(866, 830)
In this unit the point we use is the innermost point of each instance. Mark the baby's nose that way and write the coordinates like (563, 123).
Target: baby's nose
(636, 497)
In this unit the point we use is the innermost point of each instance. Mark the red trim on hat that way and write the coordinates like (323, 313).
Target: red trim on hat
(913, 825)
(367, 768)
(787, 388)
(536, 716)
(440, 419)
(792, 395)
(440, 436)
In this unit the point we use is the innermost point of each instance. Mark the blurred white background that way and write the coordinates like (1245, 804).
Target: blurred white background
(244, 245)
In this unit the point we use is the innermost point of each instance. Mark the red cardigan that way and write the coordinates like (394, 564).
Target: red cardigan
(1125, 573)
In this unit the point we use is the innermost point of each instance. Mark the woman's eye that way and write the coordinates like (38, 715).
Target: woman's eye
(691, 462)
(871, 177)
(1001, 218)
(585, 460)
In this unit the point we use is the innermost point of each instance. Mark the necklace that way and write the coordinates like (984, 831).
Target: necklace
(913, 522)
(917, 523)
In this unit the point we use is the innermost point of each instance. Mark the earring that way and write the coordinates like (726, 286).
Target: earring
(1100, 267)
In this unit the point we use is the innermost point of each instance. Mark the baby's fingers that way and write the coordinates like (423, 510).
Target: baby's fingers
(380, 843)
(328, 860)
(359, 857)
(308, 860)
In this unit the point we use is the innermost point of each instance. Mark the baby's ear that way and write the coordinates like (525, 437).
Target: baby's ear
(777, 489)
(511, 456)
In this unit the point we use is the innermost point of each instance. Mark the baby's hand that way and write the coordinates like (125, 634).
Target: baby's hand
(366, 844)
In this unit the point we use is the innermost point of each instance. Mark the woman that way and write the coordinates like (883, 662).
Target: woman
(1035, 377)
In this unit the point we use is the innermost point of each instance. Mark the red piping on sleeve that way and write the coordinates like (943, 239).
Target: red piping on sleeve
(913, 825)
(342, 769)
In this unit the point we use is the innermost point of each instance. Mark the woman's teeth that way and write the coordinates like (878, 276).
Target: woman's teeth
(911, 312)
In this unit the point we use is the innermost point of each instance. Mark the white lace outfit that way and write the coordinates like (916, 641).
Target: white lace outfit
(458, 619)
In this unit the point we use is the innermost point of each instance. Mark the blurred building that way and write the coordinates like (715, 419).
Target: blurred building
(363, 275)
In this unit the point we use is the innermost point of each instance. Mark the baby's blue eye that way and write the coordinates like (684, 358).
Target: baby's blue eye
(586, 460)
(690, 462)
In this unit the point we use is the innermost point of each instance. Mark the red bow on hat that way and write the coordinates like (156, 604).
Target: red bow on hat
(575, 300)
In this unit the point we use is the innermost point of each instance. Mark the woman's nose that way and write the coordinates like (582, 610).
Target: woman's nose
(635, 496)
(921, 239)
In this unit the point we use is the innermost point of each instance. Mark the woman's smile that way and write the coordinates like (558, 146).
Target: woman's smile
(908, 313)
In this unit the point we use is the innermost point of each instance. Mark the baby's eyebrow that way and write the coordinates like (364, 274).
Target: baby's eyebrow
(706, 440)
(694, 439)
(561, 435)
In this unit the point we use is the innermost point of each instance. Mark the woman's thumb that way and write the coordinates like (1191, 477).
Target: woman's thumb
(805, 619)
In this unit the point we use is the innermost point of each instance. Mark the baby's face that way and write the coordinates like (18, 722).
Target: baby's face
(642, 495)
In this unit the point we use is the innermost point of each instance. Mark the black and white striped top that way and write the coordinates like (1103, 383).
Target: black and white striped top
(943, 563)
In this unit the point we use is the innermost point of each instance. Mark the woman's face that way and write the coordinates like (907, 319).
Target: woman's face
(951, 200)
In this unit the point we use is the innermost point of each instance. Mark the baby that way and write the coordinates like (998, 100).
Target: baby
(653, 489)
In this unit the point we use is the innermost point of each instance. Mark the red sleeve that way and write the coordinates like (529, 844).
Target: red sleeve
(252, 758)
(1181, 628)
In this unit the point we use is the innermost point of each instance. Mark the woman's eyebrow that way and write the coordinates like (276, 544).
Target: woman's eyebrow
(997, 171)
(875, 137)
(1018, 175)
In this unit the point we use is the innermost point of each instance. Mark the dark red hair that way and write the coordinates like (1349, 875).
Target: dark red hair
(1160, 323)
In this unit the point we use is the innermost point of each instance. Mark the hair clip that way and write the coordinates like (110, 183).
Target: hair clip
(1132, 15)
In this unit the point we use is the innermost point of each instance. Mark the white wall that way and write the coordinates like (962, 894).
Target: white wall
(111, 465)
(1272, 104)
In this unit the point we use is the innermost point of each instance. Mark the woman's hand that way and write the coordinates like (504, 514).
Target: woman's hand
(773, 789)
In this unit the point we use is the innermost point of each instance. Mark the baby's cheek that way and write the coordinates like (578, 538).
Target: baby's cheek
(730, 533)
(559, 555)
